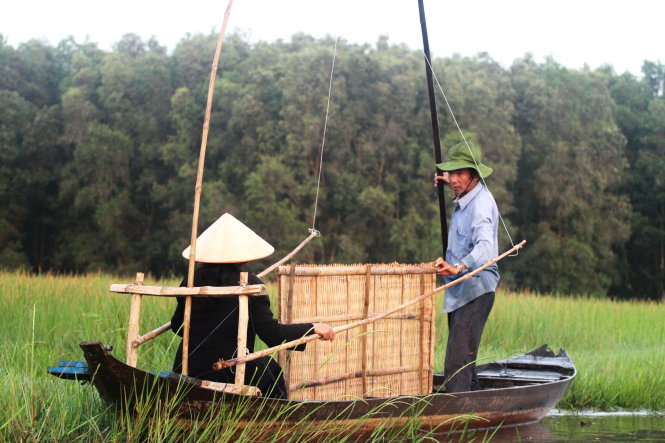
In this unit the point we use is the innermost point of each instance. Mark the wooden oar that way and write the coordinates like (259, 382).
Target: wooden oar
(221, 364)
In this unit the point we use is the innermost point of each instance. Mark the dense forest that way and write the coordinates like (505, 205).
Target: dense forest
(99, 150)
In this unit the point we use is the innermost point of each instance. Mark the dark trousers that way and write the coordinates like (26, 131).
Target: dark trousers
(465, 327)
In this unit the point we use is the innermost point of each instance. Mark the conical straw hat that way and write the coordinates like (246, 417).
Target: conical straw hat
(228, 240)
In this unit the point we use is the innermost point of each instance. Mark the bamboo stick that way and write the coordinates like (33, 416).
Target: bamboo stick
(243, 320)
(358, 270)
(401, 336)
(357, 374)
(200, 291)
(421, 348)
(197, 193)
(316, 312)
(134, 320)
(350, 317)
(289, 320)
(152, 334)
(363, 362)
(221, 364)
(267, 271)
(346, 336)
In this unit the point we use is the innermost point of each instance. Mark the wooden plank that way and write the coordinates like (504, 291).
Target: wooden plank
(357, 270)
(201, 291)
(230, 388)
(243, 321)
(186, 321)
(530, 361)
(131, 356)
(521, 375)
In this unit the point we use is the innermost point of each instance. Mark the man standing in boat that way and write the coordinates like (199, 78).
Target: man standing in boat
(472, 241)
(221, 251)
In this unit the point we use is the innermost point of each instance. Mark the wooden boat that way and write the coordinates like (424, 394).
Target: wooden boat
(515, 391)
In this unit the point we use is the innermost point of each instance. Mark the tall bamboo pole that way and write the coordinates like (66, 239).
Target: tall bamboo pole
(197, 193)
(435, 126)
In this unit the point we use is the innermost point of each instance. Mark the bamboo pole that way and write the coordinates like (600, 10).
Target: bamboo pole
(363, 369)
(152, 334)
(421, 347)
(286, 357)
(267, 271)
(134, 320)
(200, 291)
(243, 321)
(197, 194)
(401, 337)
(221, 364)
(350, 317)
(357, 270)
(436, 137)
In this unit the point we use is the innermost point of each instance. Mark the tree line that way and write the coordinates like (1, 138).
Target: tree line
(99, 151)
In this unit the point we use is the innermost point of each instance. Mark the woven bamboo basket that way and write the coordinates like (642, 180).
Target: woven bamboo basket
(392, 356)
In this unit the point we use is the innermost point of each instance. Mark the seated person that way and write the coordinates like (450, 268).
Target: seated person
(221, 251)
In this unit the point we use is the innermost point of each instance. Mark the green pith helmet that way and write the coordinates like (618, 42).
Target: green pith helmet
(460, 156)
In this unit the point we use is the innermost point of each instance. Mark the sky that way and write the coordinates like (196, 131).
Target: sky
(575, 33)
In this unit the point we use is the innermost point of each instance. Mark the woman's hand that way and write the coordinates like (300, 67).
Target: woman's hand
(325, 331)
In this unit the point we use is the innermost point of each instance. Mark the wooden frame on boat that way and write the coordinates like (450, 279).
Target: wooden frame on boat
(242, 291)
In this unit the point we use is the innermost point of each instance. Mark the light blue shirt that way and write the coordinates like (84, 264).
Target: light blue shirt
(473, 239)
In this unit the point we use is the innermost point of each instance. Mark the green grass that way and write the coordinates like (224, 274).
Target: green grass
(617, 348)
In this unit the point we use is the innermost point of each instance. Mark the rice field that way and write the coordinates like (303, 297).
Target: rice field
(618, 348)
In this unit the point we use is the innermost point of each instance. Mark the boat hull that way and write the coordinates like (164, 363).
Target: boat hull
(517, 391)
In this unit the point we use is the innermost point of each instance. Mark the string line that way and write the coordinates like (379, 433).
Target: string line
(452, 114)
(323, 141)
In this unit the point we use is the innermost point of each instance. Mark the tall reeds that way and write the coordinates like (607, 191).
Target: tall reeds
(616, 346)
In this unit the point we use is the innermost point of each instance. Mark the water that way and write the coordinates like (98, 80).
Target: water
(586, 427)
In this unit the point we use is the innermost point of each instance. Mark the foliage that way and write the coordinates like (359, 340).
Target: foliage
(99, 152)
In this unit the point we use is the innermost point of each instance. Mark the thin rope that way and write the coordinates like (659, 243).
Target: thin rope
(452, 114)
(213, 331)
(323, 141)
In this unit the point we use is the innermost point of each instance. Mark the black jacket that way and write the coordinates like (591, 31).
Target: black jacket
(213, 329)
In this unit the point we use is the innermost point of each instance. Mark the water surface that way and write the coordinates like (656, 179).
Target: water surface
(561, 426)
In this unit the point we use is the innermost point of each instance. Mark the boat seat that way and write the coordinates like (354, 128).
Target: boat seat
(523, 375)
(228, 388)
(71, 370)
